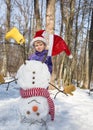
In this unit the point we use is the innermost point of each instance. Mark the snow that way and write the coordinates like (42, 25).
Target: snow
(71, 112)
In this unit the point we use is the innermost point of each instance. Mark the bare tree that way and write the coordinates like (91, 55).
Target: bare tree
(37, 15)
(83, 74)
(91, 50)
(68, 19)
(8, 17)
(50, 16)
(50, 24)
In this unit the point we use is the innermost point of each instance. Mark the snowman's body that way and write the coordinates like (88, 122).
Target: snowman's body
(33, 78)
(33, 74)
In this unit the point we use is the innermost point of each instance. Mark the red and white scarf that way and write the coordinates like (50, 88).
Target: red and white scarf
(39, 92)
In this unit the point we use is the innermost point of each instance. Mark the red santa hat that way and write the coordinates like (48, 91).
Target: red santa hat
(39, 36)
(39, 92)
(56, 43)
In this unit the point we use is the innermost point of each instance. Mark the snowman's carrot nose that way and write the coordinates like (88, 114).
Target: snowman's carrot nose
(35, 108)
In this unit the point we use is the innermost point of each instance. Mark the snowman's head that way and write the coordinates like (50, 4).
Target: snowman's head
(35, 108)
(33, 74)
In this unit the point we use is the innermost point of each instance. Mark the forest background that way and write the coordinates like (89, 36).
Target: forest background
(70, 19)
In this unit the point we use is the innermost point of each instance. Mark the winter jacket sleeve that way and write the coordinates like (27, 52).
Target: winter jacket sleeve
(49, 63)
(32, 57)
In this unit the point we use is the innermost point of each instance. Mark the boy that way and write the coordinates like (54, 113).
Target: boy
(39, 44)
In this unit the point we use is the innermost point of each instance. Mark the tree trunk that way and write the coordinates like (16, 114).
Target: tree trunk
(50, 16)
(50, 25)
(37, 15)
(8, 17)
(91, 49)
(68, 37)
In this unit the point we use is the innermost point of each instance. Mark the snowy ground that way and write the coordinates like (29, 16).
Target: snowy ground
(72, 112)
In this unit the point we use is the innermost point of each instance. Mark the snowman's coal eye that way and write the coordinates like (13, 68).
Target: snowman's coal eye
(28, 112)
(38, 113)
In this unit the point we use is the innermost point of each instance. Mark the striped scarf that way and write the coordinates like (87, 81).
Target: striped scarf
(39, 92)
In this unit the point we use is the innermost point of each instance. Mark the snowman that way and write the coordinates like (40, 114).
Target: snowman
(36, 107)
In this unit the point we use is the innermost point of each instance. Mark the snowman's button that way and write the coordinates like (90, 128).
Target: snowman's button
(33, 82)
(33, 77)
(33, 72)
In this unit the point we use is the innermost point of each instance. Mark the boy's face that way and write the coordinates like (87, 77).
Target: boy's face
(39, 46)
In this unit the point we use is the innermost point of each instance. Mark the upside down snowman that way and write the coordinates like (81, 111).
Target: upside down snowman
(36, 105)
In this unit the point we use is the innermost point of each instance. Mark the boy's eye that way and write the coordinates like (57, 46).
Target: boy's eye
(36, 45)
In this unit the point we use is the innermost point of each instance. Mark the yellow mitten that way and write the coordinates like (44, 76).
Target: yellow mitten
(1, 79)
(16, 35)
(69, 89)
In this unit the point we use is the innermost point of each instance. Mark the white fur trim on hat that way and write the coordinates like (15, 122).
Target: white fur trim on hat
(38, 39)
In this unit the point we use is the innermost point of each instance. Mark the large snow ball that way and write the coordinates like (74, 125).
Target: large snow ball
(34, 108)
(33, 74)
